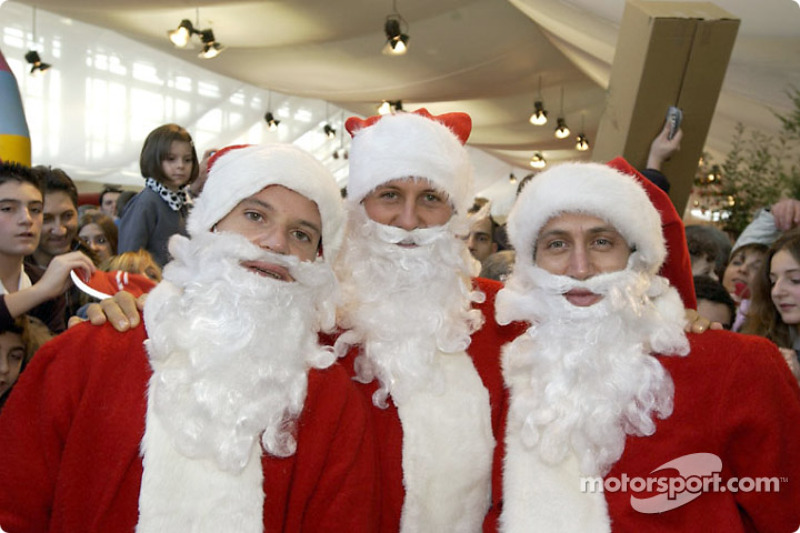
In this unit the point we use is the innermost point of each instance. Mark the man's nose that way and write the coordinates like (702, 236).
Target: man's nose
(274, 240)
(579, 266)
(408, 218)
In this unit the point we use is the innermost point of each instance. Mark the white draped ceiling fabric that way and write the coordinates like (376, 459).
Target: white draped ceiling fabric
(116, 76)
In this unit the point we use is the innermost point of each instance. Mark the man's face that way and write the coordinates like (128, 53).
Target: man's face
(580, 246)
(20, 218)
(109, 204)
(60, 224)
(480, 242)
(279, 220)
(408, 203)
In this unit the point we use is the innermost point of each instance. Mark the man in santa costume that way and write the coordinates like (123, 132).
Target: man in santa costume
(617, 419)
(221, 412)
(416, 339)
(421, 335)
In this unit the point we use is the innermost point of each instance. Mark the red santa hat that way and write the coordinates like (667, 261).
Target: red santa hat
(678, 266)
(103, 285)
(592, 189)
(237, 172)
(417, 145)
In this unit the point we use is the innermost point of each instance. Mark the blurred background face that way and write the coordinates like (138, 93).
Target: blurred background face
(480, 242)
(60, 224)
(97, 241)
(408, 203)
(784, 274)
(109, 204)
(742, 270)
(12, 354)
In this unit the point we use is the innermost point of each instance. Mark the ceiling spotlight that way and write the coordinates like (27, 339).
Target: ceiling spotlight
(582, 143)
(272, 123)
(562, 131)
(390, 106)
(211, 48)
(32, 57)
(181, 35)
(396, 40)
(396, 29)
(512, 178)
(538, 161)
(330, 132)
(35, 61)
(539, 115)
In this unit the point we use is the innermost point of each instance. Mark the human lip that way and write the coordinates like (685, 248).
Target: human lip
(582, 297)
(268, 270)
(25, 235)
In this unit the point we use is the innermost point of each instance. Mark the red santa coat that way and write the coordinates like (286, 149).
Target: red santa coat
(735, 399)
(70, 435)
(484, 350)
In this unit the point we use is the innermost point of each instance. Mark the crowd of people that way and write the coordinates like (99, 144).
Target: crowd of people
(308, 363)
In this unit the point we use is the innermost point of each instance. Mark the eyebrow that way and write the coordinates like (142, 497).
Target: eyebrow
(268, 207)
(18, 201)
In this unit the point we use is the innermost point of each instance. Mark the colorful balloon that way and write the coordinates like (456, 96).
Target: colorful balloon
(15, 140)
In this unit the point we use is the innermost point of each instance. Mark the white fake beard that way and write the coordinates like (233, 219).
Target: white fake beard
(230, 349)
(404, 304)
(583, 378)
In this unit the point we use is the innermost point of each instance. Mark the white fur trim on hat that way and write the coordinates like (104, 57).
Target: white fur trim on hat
(243, 172)
(593, 189)
(408, 145)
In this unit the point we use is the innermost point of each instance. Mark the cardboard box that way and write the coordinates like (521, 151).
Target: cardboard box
(668, 53)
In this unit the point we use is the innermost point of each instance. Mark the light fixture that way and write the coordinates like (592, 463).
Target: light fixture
(512, 178)
(211, 48)
(562, 131)
(271, 121)
(37, 65)
(396, 29)
(32, 57)
(390, 106)
(181, 36)
(539, 115)
(538, 161)
(582, 142)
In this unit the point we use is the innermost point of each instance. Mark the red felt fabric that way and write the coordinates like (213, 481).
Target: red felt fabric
(70, 434)
(735, 398)
(678, 266)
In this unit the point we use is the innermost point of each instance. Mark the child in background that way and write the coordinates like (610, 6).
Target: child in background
(99, 232)
(18, 343)
(140, 262)
(169, 164)
(774, 312)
